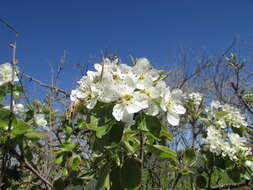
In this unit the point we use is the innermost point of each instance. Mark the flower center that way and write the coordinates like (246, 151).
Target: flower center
(115, 76)
(141, 77)
(127, 97)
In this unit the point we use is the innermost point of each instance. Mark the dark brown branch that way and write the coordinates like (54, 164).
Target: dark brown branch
(231, 186)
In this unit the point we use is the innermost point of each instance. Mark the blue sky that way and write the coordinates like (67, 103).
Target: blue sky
(155, 29)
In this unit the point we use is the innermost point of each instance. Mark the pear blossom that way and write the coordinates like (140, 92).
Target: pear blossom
(6, 73)
(87, 92)
(40, 120)
(17, 108)
(131, 102)
(172, 104)
(225, 116)
(195, 97)
(226, 143)
(131, 89)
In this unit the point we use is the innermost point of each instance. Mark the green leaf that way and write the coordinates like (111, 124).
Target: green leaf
(103, 130)
(153, 125)
(103, 179)
(59, 184)
(165, 133)
(34, 134)
(74, 162)
(4, 113)
(201, 181)
(234, 174)
(130, 173)
(59, 159)
(19, 127)
(220, 162)
(141, 122)
(68, 147)
(161, 151)
(189, 155)
(249, 157)
(116, 132)
(65, 172)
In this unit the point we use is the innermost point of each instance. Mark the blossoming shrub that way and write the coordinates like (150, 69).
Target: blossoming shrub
(119, 103)
(120, 116)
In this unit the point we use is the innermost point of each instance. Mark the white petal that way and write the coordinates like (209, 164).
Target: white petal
(173, 118)
(153, 109)
(154, 92)
(141, 100)
(163, 105)
(128, 118)
(133, 108)
(177, 94)
(91, 104)
(118, 111)
(179, 109)
(167, 94)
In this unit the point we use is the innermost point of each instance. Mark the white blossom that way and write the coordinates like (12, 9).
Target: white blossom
(195, 97)
(226, 143)
(40, 120)
(131, 89)
(6, 73)
(225, 116)
(17, 108)
(172, 104)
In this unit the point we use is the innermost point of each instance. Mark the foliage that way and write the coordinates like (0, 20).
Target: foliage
(117, 133)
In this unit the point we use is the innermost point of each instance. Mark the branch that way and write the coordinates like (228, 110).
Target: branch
(142, 156)
(231, 186)
(9, 26)
(45, 84)
(31, 168)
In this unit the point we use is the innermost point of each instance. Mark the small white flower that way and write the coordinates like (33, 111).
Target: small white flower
(17, 108)
(195, 97)
(40, 120)
(87, 92)
(6, 73)
(172, 104)
(131, 102)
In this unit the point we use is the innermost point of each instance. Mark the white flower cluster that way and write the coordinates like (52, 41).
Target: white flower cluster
(195, 97)
(132, 89)
(6, 73)
(225, 116)
(226, 143)
(220, 139)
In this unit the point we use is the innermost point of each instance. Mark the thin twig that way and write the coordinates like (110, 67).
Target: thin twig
(45, 84)
(142, 157)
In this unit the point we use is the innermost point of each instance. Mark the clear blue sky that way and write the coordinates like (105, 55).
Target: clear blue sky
(142, 28)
